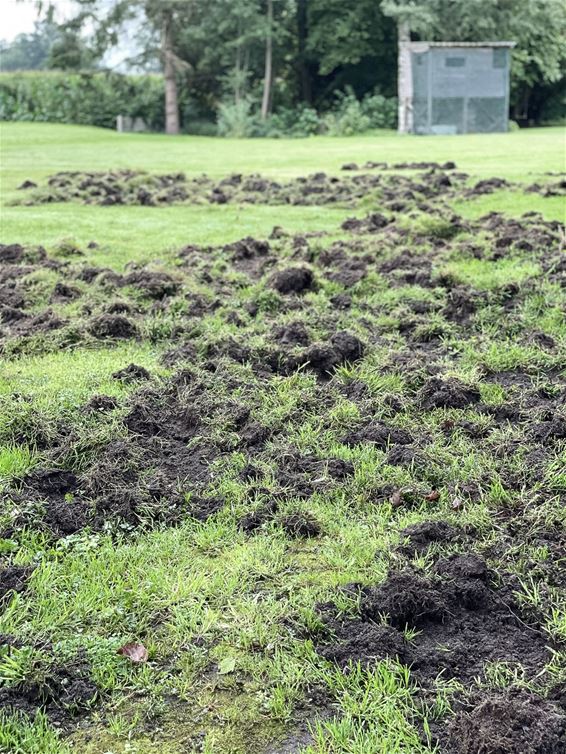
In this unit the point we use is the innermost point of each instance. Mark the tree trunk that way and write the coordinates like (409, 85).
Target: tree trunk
(404, 78)
(268, 77)
(169, 74)
(238, 67)
(302, 34)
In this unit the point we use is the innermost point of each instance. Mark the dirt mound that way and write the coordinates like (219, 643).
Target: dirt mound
(420, 536)
(378, 434)
(462, 623)
(247, 248)
(300, 525)
(51, 481)
(370, 224)
(424, 166)
(253, 521)
(11, 253)
(323, 358)
(508, 723)
(450, 393)
(293, 334)
(155, 285)
(132, 373)
(101, 403)
(292, 280)
(13, 579)
(112, 326)
(367, 642)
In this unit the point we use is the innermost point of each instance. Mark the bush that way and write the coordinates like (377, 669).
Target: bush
(236, 120)
(382, 111)
(293, 121)
(348, 118)
(94, 99)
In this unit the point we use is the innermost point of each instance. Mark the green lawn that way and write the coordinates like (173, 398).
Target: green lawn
(227, 615)
(33, 151)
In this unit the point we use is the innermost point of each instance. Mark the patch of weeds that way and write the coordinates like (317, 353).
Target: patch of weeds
(378, 714)
(22, 735)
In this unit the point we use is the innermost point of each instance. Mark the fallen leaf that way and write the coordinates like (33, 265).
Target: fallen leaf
(134, 651)
(432, 495)
(227, 665)
(456, 503)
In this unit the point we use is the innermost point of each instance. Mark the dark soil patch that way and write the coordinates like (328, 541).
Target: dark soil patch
(508, 723)
(13, 579)
(420, 536)
(450, 393)
(155, 285)
(463, 622)
(292, 280)
(62, 692)
(101, 403)
(300, 525)
(158, 472)
(254, 520)
(112, 326)
(132, 373)
(378, 434)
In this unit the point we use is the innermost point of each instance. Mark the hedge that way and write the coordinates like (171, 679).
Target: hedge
(97, 98)
(84, 98)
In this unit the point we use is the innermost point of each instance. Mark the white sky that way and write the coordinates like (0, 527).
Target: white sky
(19, 17)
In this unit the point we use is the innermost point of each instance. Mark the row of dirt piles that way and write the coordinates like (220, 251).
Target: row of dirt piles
(393, 190)
(382, 321)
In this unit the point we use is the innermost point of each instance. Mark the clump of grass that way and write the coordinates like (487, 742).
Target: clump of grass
(15, 461)
(20, 734)
(378, 713)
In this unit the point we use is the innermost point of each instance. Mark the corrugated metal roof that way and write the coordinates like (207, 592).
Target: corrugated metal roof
(462, 44)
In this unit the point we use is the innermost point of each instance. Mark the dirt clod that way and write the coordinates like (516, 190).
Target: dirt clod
(509, 724)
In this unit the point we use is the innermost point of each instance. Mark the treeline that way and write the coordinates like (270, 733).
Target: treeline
(257, 67)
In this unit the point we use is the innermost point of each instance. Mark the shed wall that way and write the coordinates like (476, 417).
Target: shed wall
(460, 90)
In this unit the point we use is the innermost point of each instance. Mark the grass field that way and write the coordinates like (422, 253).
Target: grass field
(330, 500)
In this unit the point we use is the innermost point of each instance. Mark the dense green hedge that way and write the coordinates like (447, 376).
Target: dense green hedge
(86, 98)
(96, 99)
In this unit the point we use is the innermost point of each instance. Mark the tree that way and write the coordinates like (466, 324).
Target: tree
(162, 18)
(29, 52)
(350, 45)
(268, 74)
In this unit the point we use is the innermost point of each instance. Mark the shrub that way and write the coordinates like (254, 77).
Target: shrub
(94, 99)
(293, 121)
(382, 111)
(348, 118)
(236, 119)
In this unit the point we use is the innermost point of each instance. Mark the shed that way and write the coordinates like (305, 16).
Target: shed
(454, 87)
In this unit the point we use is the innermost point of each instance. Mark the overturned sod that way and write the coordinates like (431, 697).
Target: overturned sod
(317, 475)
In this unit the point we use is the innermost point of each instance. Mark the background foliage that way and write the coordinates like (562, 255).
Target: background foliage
(334, 62)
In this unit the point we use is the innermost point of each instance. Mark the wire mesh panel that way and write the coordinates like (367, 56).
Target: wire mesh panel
(487, 114)
(421, 62)
(459, 89)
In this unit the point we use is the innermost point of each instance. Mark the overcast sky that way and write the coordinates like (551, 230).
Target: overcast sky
(19, 17)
